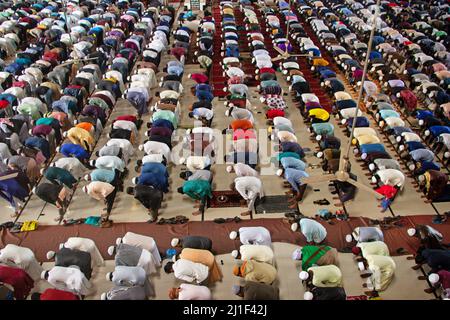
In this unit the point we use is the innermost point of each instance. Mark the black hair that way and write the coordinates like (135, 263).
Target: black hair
(168, 267)
(191, 114)
(180, 190)
(130, 190)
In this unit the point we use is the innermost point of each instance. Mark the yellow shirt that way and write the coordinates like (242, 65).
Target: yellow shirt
(319, 113)
(368, 139)
(326, 276)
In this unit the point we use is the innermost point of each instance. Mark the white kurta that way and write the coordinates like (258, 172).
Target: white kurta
(255, 235)
(190, 271)
(69, 279)
(22, 258)
(144, 242)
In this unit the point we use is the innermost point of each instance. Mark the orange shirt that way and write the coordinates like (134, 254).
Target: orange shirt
(241, 124)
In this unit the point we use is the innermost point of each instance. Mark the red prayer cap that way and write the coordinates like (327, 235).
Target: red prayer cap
(4, 104)
(356, 250)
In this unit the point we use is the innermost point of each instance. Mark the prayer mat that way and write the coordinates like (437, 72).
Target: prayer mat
(226, 199)
(274, 204)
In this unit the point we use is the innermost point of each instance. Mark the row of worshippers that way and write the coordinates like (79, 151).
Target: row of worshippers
(291, 157)
(69, 278)
(136, 257)
(433, 256)
(36, 110)
(91, 118)
(256, 265)
(411, 147)
(110, 166)
(198, 145)
(402, 90)
(366, 141)
(243, 153)
(153, 180)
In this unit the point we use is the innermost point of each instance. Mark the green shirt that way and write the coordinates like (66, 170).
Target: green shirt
(197, 189)
(308, 251)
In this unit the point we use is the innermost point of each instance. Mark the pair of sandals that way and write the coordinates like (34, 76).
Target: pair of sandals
(73, 221)
(322, 202)
(176, 220)
(222, 220)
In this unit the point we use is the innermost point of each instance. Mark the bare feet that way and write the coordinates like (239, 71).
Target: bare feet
(366, 275)
(57, 219)
(14, 215)
(416, 267)
(293, 206)
(197, 206)
(245, 213)
(196, 213)
(364, 285)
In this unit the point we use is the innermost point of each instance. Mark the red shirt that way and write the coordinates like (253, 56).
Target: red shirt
(127, 118)
(272, 113)
(55, 294)
(266, 70)
(199, 78)
(387, 191)
(444, 278)
(18, 279)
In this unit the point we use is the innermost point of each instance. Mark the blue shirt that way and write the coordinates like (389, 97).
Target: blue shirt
(70, 149)
(157, 181)
(155, 168)
(294, 177)
(103, 175)
(312, 230)
(294, 163)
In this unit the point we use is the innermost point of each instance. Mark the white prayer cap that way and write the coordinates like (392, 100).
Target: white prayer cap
(92, 163)
(411, 167)
(427, 132)
(188, 131)
(303, 275)
(233, 235)
(5, 161)
(308, 295)
(319, 137)
(398, 139)
(359, 82)
(61, 245)
(30, 132)
(174, 258)
(411, 232)
(361, 266)
(229, 169)
(227, 113)
(294, 227)
(348, 238)
(65, 134)
(262, 99)
(33, 190)
(42, 171)
(111, 250)
(343, 121)
(421, 178)
(433, 278)
(43, 273)
(446, 154)
(141, 147)
(86, 177)
(371, 166)
(174, 242)
(401, 148)
(134, 180)
(57, 149)
(364, 156)
(108, 276)
(50, 255)
(374, 179)
(118, 241)
(103, 296)
(182, 160)
(279, 172)
(421, 122)
(235, 254)
(398, 94)
(297, 254)
(225, 89)
(319, 154)
(85, 189)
